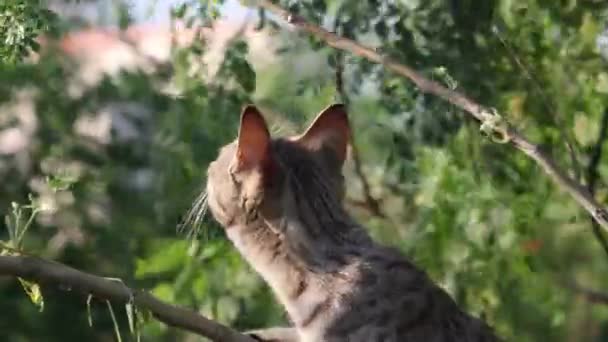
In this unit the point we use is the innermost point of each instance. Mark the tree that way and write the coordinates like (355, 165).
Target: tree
(484, 220)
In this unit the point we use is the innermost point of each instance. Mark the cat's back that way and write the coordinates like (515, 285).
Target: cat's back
(390, 299)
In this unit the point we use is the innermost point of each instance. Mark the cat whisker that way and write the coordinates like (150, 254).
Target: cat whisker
(195, 217)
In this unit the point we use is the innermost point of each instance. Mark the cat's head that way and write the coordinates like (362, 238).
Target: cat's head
(258, 177)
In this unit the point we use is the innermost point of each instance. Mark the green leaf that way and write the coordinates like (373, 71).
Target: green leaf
(33, 291)
(169, 255)
(601, 85)
(585, 131)
(245, 76)
(179, 11)
(60, 182)
(164, 291)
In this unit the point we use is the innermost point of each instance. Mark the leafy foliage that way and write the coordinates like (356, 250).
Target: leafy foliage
(481, 218)
(21, 22)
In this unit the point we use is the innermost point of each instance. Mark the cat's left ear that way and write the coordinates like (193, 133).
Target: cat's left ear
(253, 144)
(330, 130)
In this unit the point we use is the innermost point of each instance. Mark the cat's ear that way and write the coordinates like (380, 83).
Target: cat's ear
(253, 144)
(331, 130)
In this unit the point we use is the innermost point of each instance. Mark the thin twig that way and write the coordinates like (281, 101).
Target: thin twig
(557, 117)
(596, 153)
(371, 203)
(44, 271)
(592, 176)
(593, 296)
(509, 133)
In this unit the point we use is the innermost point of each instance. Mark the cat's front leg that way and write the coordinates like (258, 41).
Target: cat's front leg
(276, 334)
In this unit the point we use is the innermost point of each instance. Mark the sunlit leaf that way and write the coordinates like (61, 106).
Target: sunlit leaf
(33, 292)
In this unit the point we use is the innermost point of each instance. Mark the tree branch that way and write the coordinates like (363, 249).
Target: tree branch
(557, 117)
(592, 176)
(482, 114)
(592, 296)
(371, 203)
(44, 271)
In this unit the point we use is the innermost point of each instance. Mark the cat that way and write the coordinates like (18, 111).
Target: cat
(280, 203)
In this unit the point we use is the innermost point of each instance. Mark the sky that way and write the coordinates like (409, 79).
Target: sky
(155, 12)
(231, 9)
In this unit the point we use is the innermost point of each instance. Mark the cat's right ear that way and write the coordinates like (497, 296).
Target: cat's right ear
(329, 130)
(253, 145)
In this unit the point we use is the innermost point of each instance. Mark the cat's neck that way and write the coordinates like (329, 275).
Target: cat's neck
(269, 255)
(298, 267)
(289, 247)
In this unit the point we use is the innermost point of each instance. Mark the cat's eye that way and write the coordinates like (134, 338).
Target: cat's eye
(232, 174)
(251, 215)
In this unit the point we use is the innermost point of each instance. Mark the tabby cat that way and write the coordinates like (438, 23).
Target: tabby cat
(280, 203)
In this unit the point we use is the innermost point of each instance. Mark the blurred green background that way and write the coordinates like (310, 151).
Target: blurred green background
(110, 112)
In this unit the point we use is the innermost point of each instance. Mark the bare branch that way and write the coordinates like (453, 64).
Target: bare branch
(509, 133)
(44, 271)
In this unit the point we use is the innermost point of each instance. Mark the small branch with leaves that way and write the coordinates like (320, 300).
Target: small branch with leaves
(369, 201)
(592, 296)
(43, 271)
(593, 177)
(491, 121)
(31, 271)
